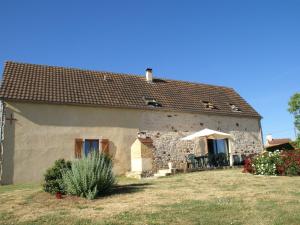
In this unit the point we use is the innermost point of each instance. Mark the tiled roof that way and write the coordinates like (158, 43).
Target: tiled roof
(59, 85)
(279, 141)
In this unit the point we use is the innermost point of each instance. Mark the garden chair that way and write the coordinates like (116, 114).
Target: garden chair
(191, 160)
(203, 161)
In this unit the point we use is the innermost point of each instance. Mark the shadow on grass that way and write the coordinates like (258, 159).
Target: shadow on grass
(127, 189)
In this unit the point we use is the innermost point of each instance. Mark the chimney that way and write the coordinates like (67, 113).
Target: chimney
(269, 138)
(149, 75)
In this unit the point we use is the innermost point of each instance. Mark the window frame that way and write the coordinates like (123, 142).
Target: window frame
(79, 151)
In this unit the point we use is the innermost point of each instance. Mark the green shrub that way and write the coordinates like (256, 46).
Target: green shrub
(265, 164)
(90, 176)
(53, 182)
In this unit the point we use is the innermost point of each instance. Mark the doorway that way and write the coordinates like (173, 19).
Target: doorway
(218, 154)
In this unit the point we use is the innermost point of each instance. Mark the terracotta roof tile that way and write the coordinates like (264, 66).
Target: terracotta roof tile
(58, 85)
(279, 141)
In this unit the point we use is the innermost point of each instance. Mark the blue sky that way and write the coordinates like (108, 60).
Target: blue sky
(252, 46)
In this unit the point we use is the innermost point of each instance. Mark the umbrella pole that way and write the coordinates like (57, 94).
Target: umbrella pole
(230, 153)
(206, 146)
(206, 150)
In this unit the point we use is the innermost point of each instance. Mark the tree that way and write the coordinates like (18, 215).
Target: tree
(294, 108)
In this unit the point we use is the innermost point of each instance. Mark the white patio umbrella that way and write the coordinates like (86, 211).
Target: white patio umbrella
(207, 133)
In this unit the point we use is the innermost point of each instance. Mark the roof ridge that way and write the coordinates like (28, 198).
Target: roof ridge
(118, 73)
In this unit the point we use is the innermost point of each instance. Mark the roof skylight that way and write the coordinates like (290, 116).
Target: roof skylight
(152, 102)
(234, 108)
(209, 105)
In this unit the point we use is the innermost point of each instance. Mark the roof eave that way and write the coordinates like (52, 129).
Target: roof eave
(131, 107)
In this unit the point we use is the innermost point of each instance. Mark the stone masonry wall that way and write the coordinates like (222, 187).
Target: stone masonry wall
(168, 147)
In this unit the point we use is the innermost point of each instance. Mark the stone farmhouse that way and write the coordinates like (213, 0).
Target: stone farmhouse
(51, 112)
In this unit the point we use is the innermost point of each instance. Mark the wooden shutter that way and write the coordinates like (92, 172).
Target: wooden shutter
(78, 148)
(105, 146)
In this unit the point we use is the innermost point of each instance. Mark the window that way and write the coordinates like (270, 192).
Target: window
(151, 102)
(209, 105)
(234, 108)
(90, 145)
(217, 146)
(85, 146)
(218, 152)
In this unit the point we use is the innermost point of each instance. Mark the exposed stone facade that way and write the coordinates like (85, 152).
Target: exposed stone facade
(169, 148)
(246, 134)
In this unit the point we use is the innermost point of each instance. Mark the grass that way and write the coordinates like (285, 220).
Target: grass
(9, 188)
(211, 197)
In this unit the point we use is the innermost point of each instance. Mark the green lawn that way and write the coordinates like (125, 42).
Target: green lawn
(211, 197)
